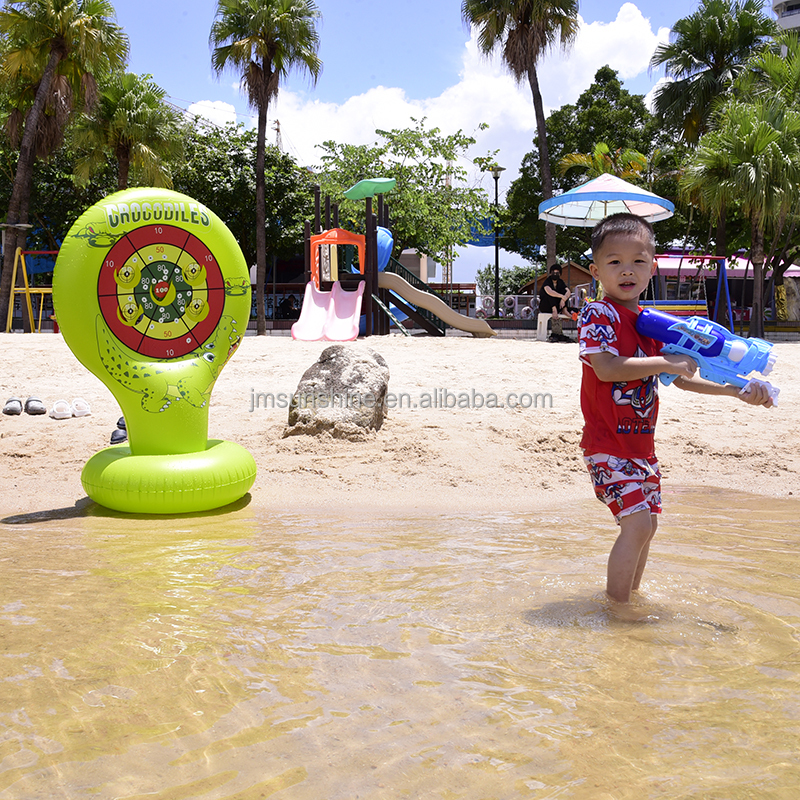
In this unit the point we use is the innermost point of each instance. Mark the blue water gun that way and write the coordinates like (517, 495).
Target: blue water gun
(722, 357)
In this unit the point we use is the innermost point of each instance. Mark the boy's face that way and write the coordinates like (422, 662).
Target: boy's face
(624, 265)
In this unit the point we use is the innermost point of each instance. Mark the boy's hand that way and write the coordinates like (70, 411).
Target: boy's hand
(680, 365)
(757, 393)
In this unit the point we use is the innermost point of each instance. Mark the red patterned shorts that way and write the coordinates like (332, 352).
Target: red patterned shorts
(625, 485)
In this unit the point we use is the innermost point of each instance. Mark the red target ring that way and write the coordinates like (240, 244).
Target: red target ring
(161, 291)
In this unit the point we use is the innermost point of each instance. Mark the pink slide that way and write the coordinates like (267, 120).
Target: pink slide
(311, 324)
(332, 316)
(344, 314)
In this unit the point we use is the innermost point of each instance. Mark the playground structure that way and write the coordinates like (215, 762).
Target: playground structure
(27, 292)
(343, 301)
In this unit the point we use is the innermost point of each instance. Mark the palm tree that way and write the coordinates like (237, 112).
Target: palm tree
(263, 40)
(752, 160)
(526, 29)
(58, 47)
(625, 163)
(775, 73)
(707, 51)
(134, 124)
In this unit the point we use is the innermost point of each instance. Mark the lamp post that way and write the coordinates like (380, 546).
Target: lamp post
(496, 170)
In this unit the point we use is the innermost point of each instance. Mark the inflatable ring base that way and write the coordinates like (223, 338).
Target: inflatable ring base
(169, 484)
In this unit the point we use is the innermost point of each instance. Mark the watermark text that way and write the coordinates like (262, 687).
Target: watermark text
(437, 398)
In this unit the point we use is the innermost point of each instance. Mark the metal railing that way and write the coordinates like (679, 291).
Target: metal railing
(407, 275)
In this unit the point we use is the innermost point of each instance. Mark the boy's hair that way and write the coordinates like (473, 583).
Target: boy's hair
(622, 224)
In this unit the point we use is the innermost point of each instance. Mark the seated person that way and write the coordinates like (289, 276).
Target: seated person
(553, 298)
(287, 308)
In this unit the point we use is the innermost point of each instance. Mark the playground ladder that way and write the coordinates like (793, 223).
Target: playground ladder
(26, 288)
(391, 316)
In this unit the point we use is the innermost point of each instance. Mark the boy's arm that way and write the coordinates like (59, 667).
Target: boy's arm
(755, 393)
(611, 368)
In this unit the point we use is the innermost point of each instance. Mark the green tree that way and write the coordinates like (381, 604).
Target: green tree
(55, 50)
(433, 207)
(56, 202)
(708, 49)
(263, 40)
(775, 73)
(132, 123)
(524, 30)
(750, 160)
(604, 112)
(512, 279)
(218, 170)
(624, 163)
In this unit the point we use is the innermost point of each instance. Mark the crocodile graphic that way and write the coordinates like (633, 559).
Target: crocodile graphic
(162, 382)
(236, 287)
(98, 235)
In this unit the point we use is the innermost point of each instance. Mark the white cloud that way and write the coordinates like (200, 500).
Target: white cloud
(649, 97)
(216, 111)
(485, 93)
(626, 45)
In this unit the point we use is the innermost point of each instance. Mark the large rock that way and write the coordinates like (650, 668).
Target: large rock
(342, 394)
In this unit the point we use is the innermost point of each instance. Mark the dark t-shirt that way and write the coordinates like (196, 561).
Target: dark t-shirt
(546, 301)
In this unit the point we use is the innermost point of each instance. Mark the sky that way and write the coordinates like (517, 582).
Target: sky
(386, 62)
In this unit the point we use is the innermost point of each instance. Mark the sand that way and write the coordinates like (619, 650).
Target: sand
(423, 460)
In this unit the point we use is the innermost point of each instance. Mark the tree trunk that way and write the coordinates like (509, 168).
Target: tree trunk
(21, 191)
(781, 299)
(123, 166)
(544, 161)
(722, 244)
(757, 314)
(261, 214)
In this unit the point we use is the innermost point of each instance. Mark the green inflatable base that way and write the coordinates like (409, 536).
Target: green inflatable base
(171, 484)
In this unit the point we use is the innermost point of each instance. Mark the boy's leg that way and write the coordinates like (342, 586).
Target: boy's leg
(631, 488)
(629, 554)
(637, 577)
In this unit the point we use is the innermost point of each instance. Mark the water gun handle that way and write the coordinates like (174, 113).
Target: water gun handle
(774, 391)
(667, 378)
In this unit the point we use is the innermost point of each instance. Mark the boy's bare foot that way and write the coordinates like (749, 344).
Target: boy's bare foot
(631, 612)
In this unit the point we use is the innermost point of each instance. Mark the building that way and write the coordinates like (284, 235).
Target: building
(574, 275)
(424, 267)
(788, 13)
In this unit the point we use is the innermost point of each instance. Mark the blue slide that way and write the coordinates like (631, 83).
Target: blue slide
(385, 244)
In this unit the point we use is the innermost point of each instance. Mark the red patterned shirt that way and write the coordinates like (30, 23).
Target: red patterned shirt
(619, 418)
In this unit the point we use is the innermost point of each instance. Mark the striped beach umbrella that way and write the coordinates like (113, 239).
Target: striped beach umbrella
(584, 206)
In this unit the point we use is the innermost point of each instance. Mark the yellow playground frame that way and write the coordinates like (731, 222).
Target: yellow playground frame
(26, 288)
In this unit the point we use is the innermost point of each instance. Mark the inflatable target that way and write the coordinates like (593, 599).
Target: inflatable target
(152, 295)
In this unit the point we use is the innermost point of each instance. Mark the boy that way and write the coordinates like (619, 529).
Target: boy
(619, 394)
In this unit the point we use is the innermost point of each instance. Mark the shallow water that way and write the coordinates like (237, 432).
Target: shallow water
(245, 656)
